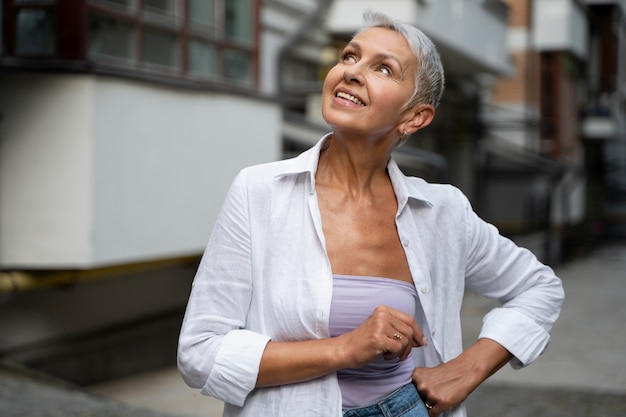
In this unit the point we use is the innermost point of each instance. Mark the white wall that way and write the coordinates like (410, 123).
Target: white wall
(45, 170)
(280, 21)
(164, 160)
(560, 25)
(100, 171)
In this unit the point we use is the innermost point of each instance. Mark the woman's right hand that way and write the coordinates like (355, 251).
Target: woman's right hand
(291, 362)
(386, 331)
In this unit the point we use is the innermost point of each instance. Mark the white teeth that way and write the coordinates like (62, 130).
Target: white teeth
(350, 97)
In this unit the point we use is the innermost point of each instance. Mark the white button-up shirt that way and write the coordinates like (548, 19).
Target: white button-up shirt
(265, 275)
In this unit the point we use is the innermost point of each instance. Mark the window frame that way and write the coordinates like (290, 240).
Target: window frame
(72, 43)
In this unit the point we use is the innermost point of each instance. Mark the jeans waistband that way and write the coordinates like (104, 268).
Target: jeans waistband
(405, 402)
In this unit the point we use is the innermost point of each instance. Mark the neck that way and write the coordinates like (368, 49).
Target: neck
(354, 164)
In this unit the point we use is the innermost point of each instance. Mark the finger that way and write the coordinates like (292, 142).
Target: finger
(397, 336)
(412, 332)
(395, 345)
(404, 339)
(428, 406)
(405, 324)
(432, 408)
(419, 339)
(403, 346)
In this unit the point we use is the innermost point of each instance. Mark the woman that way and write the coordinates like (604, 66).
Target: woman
(333, 284)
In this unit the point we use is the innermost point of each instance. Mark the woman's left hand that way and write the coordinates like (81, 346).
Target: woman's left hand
(446, 386)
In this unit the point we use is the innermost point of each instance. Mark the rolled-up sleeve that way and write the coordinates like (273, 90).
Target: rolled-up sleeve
(215, 353)
(530, 293)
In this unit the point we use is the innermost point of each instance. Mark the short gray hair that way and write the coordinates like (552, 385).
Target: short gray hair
(429, 77)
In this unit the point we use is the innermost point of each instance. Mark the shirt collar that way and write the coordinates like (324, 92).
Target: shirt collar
(306, 162)
(404, 188)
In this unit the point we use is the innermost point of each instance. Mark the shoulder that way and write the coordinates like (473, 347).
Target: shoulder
(268, 173)
(270, 179)
(262, 171)
(302, 165)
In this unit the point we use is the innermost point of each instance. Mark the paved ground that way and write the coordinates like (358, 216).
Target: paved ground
(583, 372)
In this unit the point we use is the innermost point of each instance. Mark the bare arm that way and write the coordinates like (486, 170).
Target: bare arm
(290, 362)
(447, 385)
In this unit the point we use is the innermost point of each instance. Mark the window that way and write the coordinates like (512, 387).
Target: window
(238, 20)
(213, 40)
(202, 12)
(222, 39)
(202, 59)
(35, 33)
(165, 7)
(160, 48)
(197, 40)
(111, 38)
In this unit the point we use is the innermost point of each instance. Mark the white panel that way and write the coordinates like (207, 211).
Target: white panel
(45, 170)
(560, 25)
(164, 159)
(550, 23)
(518, 39)
(277, 21)
(98, 171)
(268, 62)
(579, 32)
(346, 16)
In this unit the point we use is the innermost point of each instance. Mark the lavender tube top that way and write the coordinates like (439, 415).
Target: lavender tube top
(354, 299)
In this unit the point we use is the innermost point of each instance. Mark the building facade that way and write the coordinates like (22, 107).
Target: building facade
(123, 125)
(604, 119)
(125, 121)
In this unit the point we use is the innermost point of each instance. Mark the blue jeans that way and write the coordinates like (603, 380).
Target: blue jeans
(403, 402)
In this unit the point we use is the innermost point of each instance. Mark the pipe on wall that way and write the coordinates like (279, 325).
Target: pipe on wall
(20, 281)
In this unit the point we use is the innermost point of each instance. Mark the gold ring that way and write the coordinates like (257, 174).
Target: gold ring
(397, 335)
(428, 405)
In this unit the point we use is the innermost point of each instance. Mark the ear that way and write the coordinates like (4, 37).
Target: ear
(419, 117)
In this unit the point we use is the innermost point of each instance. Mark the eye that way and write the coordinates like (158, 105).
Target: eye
(348, 57)
(385, 69)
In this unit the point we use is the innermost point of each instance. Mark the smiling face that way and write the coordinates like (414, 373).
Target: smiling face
(366, 92)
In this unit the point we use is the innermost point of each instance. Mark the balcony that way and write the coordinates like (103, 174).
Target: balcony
(604, 120)
(471, 36)
(561, 25)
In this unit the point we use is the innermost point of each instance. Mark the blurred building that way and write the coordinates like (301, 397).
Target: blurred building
(125, 121)
(123, 124)
(604, 118)
(532, 159)
(553, 162)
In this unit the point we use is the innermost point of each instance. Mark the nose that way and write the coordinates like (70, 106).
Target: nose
(353, 74)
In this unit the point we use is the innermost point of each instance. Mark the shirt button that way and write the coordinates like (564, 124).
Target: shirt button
(405, 242)
(433, 332)
(424, 289)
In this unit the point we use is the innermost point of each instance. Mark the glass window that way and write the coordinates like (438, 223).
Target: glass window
(202, 59)
(116, 4)
(159, 6)
(212, 40)
(125, 3)
(239, 19)
(202, 12)
(35, 32)
(160, 48)
(111, 38)
(238, 66)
